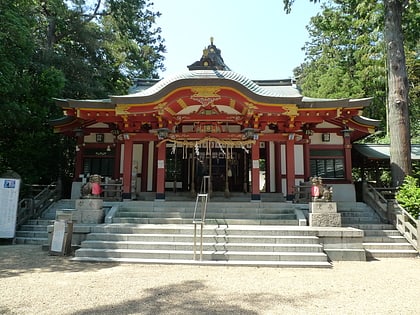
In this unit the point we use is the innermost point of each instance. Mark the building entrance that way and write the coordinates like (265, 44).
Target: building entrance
(227, 168)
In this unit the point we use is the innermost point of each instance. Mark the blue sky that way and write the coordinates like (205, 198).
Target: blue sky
(257, 38)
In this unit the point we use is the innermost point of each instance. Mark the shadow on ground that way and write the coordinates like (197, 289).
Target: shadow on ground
(16, 260)
(189, 297)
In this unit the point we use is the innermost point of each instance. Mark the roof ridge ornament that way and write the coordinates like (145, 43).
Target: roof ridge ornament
(210, 60)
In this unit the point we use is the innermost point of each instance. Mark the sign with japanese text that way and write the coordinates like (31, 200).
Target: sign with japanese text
(9, 198)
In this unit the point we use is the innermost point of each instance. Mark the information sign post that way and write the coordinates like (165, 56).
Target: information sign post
(9, 198)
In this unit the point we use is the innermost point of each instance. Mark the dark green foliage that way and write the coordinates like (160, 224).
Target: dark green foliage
(346, 57)
(65, 49)
(408, 196)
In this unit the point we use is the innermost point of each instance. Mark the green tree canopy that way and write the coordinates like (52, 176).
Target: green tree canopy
(71, 49)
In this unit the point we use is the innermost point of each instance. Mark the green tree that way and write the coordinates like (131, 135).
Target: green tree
(345, 56)
(64, 48)
(100, 45)
(397, 80)
(409, 196)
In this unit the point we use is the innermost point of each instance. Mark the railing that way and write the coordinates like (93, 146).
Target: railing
(382, 201)
(29, 208)
(408, 226)
(199, 216)
(302, 193)
(112, 191)
(377, 201)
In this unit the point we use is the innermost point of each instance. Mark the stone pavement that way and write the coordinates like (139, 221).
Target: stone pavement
(32, 282)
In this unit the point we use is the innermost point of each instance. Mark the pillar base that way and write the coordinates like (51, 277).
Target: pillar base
(160, 196)
(126, 196)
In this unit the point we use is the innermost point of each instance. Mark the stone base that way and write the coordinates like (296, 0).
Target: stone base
(324, 214)
(323, 207)
(88, 211)
(325, 219)
(92, 216)
(89, 204)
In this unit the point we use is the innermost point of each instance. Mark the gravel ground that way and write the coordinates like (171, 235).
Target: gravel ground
(32, 282)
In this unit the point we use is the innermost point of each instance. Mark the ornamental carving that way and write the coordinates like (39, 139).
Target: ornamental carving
(205, 95)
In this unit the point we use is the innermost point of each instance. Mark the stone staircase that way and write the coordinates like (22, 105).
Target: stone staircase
(218, 213)
(241, 233)
(235, 233)
(35, 231)
(271, 246)
(381, 240)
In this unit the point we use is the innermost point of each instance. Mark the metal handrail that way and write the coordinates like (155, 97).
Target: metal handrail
(33, 207)
(202, 200)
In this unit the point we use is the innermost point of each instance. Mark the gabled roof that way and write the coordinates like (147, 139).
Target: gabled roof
(382, 151)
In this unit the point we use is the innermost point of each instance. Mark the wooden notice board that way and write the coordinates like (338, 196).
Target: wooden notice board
(61, 238)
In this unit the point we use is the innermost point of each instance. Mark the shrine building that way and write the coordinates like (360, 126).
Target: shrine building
(213, 124)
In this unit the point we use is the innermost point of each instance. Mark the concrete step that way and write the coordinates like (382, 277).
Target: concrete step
(175, 229)
(359, 215)
(371, 226)
(207, 255)
(359, 220)
(32, 234)
(31, 240)
(208, 221)
(39, 222)
(392, 232)
(388, 246)
(372, 254)
(35, 227)
(207, 246)
(197, 261)
(115, 237)
(241, 244)
(211, 215)
(384, 239)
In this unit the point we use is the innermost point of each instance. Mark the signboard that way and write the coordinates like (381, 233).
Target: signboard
(61, 238)
(57, 244)
(9, 198)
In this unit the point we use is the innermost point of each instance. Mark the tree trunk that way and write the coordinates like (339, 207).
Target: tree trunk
(398, 119)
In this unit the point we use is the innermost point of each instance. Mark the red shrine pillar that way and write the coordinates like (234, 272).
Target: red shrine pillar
(255, 172)
(79, 159)
(277, 168)
(290, 166)
(127, 168)
(144, 166)
(160, 174)
(347, 156)
(306, 157)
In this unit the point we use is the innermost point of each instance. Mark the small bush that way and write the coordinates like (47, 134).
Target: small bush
(408, 196)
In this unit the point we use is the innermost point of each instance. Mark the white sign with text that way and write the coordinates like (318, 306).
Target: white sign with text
(9, 198)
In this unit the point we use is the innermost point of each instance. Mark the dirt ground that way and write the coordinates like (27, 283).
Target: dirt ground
(33, 282)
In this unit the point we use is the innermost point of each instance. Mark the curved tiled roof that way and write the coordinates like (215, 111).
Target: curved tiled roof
(218, 75)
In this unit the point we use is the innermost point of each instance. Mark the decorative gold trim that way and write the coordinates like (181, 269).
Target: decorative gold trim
(205, 91)
(193, 143)
(290, 110)
(182, 103)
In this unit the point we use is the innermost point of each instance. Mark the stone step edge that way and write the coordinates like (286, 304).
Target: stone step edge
(290, 264)
(207, 252)
(405, 244)
(233, 236)
(93, 242)
(392, 251)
